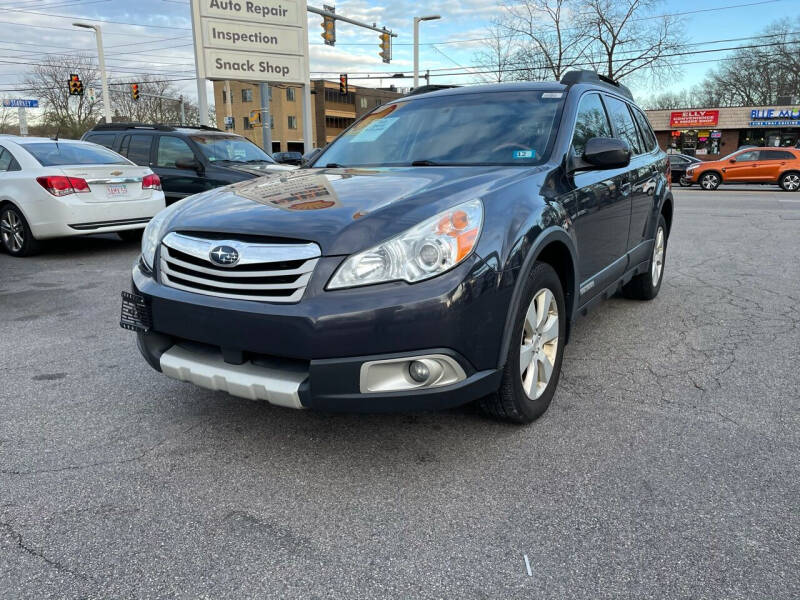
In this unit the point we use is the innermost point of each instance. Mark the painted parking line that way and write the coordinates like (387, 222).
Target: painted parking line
(528, 565)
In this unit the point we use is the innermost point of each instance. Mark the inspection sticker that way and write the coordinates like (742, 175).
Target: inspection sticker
(524, 154)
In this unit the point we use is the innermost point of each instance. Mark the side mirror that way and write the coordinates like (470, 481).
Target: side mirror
(607, 153)
(733, 160)
(190, 164)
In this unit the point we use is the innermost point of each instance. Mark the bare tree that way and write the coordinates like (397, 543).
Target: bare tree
(8, 119)
(668, 100)
(159, 101)
(628, 37)
(71, 116)
(548, 32)
(498, 55)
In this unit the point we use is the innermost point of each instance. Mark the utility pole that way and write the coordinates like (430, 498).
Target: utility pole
(417, 21)
(266, 129)
(101, 60)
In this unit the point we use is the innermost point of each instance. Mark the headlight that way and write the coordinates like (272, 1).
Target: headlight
(424, 251)
(152, 233)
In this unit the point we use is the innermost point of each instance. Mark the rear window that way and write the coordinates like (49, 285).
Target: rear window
(104, 139)
(52, 154)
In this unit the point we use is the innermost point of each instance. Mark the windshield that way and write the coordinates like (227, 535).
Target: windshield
(52, 154)
(496, 128)
(230, 148)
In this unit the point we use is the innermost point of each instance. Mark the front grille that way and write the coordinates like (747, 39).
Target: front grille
(264, 272)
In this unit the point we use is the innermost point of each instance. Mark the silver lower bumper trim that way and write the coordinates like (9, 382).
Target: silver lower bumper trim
(254, 382)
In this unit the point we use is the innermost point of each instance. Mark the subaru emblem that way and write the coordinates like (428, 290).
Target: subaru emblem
(225, 256)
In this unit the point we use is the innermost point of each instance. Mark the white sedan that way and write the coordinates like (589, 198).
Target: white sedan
(59, 188)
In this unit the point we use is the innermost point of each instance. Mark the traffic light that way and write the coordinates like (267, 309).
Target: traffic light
(386, 47)
(135, 91)
(343, 83)
(255, 118)
(329, 27)
(75, 85)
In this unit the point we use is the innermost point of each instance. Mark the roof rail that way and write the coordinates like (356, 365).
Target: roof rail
(154, 126)
(430, 88)
(585, 76)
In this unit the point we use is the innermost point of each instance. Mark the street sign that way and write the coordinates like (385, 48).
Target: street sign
(20, 103)
(251, 41)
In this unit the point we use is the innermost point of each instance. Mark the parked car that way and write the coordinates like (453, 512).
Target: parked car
(773, 166)
(60, 188)
(678, 164)
(437, 252)
(189, 160)
(288, 158)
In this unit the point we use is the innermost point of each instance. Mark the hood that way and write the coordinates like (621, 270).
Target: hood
(342, 210)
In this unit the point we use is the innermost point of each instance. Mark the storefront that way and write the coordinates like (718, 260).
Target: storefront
(714, 132)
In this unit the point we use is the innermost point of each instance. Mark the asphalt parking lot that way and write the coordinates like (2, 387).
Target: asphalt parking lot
(667, 466)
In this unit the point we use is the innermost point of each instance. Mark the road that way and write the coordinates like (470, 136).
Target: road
(667, 466)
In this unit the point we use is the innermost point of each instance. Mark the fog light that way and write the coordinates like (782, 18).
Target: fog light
(419, 371)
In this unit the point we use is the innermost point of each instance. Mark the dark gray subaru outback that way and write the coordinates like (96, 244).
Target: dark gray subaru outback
(436, 253)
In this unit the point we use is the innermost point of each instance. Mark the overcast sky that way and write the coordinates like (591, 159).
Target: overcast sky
(154, 36)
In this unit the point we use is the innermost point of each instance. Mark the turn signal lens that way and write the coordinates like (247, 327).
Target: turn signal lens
(59, 185)
(434, 246)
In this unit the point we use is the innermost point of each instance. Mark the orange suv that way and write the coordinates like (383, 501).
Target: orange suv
(751, 165)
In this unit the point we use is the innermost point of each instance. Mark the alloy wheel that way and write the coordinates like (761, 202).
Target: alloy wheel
(657, 264)
(791, 182)
(539, 345)
(12, 231)
(709, 181)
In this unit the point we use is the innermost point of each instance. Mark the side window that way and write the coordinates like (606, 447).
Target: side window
(624, 127)
(136, 148)
(591, 122)
(674, 159)
(5, 159)
(776, 155)
(646, 131)
(172, 150)
(104, 139)
(750, 156)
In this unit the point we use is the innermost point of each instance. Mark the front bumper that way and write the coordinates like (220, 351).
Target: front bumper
(310, 354)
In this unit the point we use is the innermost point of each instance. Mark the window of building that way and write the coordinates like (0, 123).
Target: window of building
(333, 95)
(292, 122)
(338, 122)
(246, 124)
(225, 97)
(171, 151)
(247, 95)
(290, 94)
(623, 123)
(591, 122)
(364, 102)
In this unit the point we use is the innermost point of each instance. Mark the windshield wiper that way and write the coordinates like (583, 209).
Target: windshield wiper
(425, 163)
(334, 166)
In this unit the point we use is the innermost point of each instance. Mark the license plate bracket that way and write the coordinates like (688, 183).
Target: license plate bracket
(135, 313)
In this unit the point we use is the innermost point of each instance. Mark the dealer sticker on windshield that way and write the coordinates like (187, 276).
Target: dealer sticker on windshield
(521, 154)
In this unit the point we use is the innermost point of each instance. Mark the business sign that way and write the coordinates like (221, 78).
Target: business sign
(775, 117)
(20, 103)
(263, 40)
(693, 118)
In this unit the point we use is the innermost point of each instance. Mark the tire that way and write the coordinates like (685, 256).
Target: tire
(538, 335)
(790, 182)
(130, 235)
(647, 285)
(683, 182)
(709, 181)
(15, 233)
